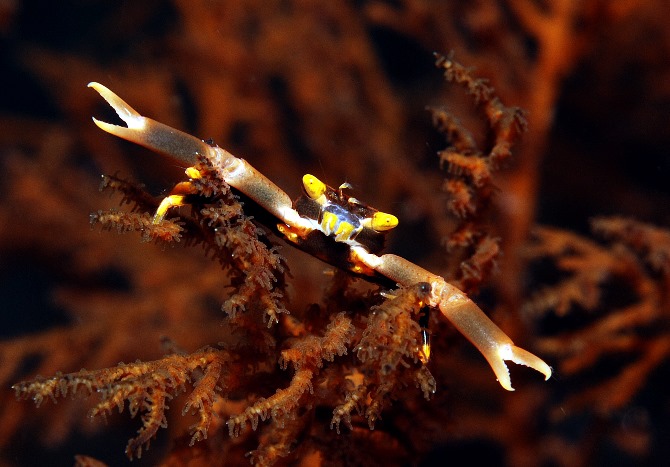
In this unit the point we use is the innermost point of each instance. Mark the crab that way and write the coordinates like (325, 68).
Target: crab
(323, 216)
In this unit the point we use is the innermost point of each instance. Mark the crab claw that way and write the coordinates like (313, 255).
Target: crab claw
(463, 313)
(489, 339)
(149, 133)
(519, 356)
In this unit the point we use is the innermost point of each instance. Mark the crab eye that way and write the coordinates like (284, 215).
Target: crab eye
(313, 186)
(382, 221)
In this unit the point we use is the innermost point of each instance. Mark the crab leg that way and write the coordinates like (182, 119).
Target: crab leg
(185, 148)
(462, 312)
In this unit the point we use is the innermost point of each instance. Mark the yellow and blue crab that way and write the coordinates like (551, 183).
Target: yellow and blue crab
(326, 223)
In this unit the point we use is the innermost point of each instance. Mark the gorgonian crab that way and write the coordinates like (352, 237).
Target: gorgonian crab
(325, 222)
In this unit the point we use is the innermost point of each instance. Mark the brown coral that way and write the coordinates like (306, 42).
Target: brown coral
(632, 270)
(339, 89)
(391, 346)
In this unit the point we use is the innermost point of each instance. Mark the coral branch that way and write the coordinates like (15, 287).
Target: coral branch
(147, 386)
(277, 406)
(634, 268)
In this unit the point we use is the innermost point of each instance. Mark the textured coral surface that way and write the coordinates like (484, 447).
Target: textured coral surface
(563, 242)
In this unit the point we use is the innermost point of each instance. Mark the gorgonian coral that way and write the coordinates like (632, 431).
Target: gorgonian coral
(391, 347)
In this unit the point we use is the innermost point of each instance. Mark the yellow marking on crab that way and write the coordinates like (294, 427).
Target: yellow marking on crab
(344, 231)
(362, 269)
(289, 234)
(167, 203)
(193, 173)
(424, 351)
(314, 187)
(382, 221)
(328, 222)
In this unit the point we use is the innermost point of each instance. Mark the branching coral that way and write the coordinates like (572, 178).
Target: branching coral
(147, 386)
(621, 287)
(391, 346)
(469, 184)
